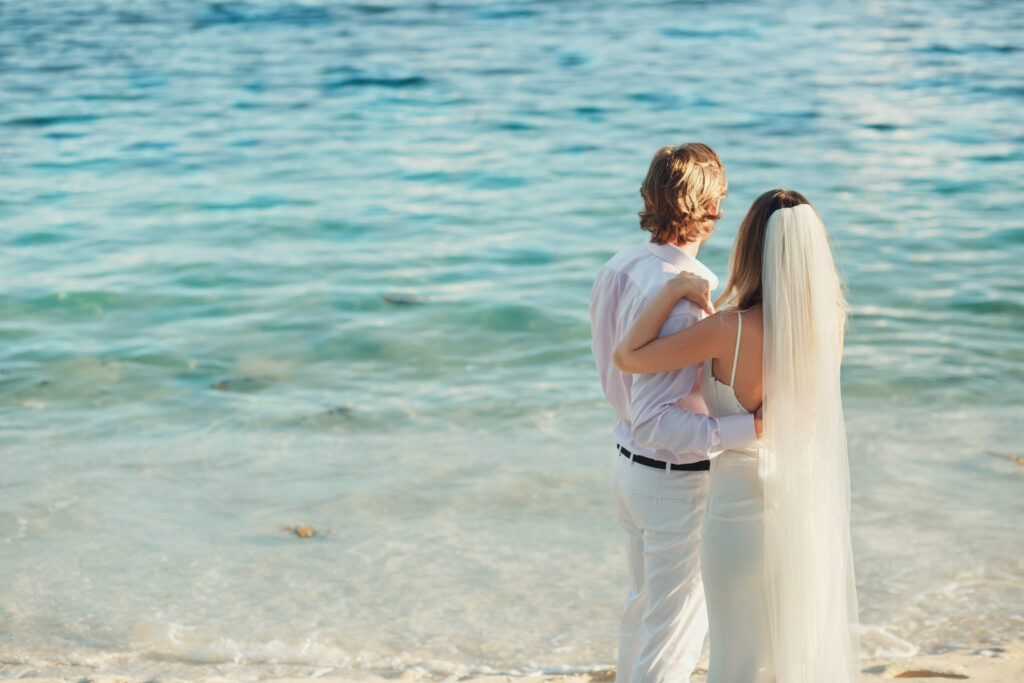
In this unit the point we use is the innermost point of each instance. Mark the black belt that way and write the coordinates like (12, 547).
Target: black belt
(660, 464)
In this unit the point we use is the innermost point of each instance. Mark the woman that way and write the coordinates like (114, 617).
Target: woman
(776, 555)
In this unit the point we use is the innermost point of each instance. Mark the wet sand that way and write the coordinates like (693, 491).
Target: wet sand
(995, 665)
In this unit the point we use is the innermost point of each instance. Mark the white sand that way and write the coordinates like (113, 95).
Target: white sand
(1005, 665)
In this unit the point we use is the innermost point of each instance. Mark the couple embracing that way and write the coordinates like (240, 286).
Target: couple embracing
(730, 478)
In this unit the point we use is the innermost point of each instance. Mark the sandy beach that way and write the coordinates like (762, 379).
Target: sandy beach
(994, 665)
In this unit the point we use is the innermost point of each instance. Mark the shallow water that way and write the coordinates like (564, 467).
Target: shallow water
(269, 264)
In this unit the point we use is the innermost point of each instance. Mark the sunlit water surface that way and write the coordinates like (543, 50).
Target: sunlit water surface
(270, 264)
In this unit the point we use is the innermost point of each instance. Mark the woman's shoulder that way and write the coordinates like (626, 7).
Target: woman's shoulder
(720, 327)
(731, 318)
(728, 317)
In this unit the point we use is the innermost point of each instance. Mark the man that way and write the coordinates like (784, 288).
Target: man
(659, 477)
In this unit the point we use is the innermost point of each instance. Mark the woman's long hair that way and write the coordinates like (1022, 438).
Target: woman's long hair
(744, 288)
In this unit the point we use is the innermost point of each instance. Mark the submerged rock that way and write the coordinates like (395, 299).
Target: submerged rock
(1012, 457)
(304, 531)
(340, 411)
(403, 299)
(247, 383)
(925, 673)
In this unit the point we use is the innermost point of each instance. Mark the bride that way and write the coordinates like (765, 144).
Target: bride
(776, 555)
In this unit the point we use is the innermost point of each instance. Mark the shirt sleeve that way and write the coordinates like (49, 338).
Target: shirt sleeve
(659, 423)
(604, 302)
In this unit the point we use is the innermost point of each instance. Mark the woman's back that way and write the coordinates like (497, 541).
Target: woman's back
(732, 382)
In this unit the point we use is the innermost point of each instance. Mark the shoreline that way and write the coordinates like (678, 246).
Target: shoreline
(985, 665)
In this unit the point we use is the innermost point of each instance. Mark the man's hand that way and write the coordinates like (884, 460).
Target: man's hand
(758, 419)
(693, 287)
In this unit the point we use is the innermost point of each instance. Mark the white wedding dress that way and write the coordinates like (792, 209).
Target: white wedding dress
(776, 557)
(732, 551)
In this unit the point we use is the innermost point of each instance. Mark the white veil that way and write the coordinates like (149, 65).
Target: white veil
(803, 465)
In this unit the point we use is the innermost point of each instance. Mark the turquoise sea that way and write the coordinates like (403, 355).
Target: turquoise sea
(280, 263)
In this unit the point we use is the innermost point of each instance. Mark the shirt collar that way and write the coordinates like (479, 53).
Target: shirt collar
(680, 260)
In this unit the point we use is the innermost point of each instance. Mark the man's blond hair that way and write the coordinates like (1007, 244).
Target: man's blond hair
(680, 193)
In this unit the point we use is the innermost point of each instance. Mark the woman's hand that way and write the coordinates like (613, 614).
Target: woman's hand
(693, 287)
(642, 351)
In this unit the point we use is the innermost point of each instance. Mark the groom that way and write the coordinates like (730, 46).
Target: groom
(659, 477)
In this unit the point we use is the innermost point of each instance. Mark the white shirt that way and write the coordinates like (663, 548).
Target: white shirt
(661, 415)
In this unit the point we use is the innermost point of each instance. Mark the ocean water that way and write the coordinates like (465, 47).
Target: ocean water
(282, 263)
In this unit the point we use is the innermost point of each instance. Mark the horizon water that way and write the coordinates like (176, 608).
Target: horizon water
(280, 263)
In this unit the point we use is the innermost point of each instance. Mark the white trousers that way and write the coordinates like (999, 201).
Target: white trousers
(665, 621)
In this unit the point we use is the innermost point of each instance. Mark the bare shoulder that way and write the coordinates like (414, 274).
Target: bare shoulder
(724, 320)
(753, 317)
(720, 329)
(753, 321)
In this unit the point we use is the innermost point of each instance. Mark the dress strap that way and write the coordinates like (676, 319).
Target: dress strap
(736, 353)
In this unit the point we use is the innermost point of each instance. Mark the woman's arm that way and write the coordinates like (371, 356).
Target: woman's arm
(641, 351)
